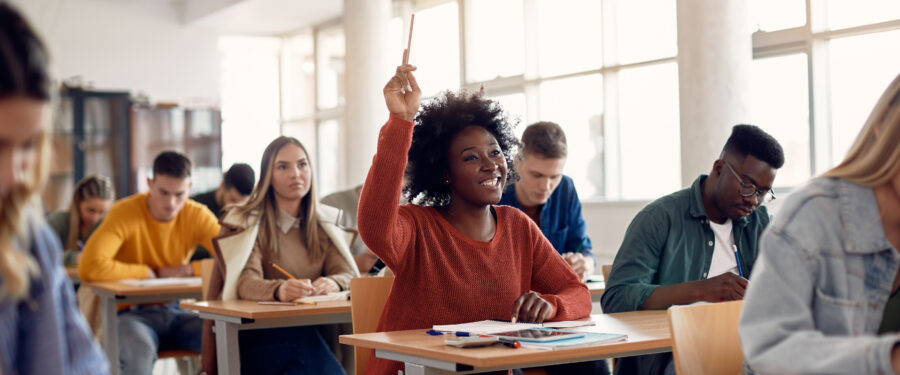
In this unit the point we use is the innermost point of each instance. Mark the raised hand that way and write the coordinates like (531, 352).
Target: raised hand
(402, 93)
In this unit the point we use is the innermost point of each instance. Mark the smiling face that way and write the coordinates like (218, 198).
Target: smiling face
(477, 167)
(291, 174)
(21, 130)
(748, 169)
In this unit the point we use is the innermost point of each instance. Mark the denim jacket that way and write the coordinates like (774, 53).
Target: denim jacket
(820, 286)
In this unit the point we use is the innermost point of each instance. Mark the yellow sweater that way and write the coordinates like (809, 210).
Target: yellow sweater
(129, 241)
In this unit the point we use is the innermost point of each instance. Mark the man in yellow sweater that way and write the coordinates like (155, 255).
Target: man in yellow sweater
(152, 235)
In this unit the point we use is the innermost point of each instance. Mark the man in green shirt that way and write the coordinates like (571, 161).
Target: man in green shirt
(697, 244)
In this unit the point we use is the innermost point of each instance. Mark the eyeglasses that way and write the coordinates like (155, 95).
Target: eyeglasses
(747, 189)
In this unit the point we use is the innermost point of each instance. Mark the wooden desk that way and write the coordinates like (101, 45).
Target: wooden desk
(648, 332)
(596, 288)
(113, 293)
(233, 316)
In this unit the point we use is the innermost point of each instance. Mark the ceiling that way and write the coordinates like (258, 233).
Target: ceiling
(258, 17)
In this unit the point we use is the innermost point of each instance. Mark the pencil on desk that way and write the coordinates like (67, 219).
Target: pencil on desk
(286, 273)
(298, 300)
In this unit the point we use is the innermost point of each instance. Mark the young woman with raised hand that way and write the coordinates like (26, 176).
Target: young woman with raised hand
(456, 256)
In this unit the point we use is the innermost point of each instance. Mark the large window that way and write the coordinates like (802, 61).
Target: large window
(592, 67)
(816, 80)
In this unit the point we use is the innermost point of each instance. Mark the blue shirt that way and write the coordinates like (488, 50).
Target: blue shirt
(561, 220)
(44, 333)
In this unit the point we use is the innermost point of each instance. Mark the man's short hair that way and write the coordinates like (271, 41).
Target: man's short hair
(545, 139)
(240, 177)
(173, 164)
(751, 140)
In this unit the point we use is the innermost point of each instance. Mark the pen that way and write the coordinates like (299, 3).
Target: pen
(463, 334)
(738, 260)
(580, 245)
(286, 273)
(275, 303)
(434, 332)
(510, 344)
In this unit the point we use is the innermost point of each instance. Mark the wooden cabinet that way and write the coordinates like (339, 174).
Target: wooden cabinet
(102, 132)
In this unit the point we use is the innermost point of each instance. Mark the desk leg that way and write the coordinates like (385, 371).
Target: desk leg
(110, 333)
(228, 353)
(414, 369)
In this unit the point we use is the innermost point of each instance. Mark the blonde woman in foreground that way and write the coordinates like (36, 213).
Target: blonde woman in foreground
(824, 297)
(41, 330)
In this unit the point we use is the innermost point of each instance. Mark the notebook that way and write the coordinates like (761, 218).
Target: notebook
(330, 297)
(494, 326)
(589, 338)
(163, 281)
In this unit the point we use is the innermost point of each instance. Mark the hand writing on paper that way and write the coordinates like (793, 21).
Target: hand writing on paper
(725, 287)
(324, 285)
(582, 265)
(293, 289)
(402, 93)
(531, 308)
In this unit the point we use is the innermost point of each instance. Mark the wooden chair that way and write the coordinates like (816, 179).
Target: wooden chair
(186, 359)
(705, 338)
(604, 269)
(367, 298)
(206, 268)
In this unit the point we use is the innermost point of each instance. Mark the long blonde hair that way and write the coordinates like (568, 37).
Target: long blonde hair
(23, 74)
(874, 157)
(262, 203)
(93, 186)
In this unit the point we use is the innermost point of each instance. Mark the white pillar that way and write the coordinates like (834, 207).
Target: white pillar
(714, 54)
(366, 72)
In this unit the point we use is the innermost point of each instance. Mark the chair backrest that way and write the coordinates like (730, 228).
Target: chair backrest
(206, 268)
(604, 269)
(705, 338)
(367, 298)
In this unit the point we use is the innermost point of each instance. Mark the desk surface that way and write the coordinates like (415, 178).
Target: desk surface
(122, 289)
(648, 331)
(253, 310)
(596, 287)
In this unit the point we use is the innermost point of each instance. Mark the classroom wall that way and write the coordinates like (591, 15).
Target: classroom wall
(129, 45)
(606, 224)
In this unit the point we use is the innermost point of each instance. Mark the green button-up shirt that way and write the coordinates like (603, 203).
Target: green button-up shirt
(670, 242)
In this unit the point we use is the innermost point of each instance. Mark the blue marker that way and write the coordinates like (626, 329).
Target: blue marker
(463, 334)
(433, 332)
(738, 260)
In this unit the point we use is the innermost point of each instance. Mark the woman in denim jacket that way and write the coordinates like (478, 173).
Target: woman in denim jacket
(41, 330)
(824, 294)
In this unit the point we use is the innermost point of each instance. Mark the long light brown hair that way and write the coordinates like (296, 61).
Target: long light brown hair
(93, 186)
(874, 158)
(23, 74)
(262, 203)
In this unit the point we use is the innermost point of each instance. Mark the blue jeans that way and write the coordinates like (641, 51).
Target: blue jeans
(288, 350)
(145, 330)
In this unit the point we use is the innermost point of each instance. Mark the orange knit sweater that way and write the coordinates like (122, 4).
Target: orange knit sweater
(441, 275)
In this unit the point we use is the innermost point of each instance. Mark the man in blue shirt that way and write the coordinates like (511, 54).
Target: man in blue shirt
(548, 197)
